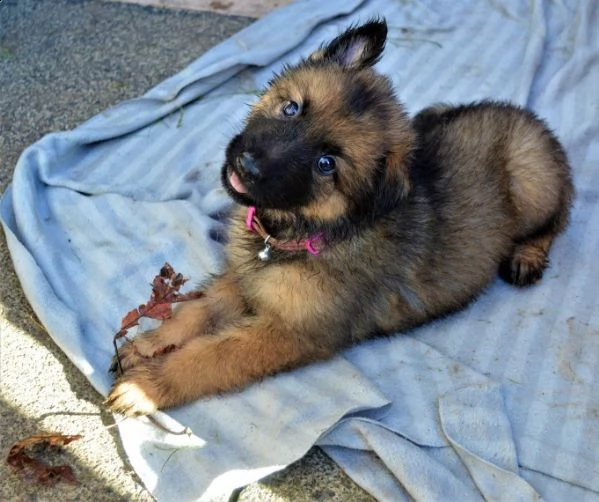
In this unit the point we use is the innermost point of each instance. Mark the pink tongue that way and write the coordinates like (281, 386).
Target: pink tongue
(236, 183)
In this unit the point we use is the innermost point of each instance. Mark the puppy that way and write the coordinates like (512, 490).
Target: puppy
(350, 221)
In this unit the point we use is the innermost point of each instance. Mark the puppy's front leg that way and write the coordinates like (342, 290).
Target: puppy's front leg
(221, 305)
(211, 364)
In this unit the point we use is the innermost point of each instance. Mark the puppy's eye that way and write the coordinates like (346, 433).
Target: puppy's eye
(290, 108)
(326, 165)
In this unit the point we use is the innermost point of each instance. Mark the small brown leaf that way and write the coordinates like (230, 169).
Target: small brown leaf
(167, 270)
(34, 470)
(165, 292)
(131, 319)
(160, 311)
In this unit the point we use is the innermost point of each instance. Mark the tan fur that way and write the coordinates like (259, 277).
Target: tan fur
(417, 219)
(332, 206)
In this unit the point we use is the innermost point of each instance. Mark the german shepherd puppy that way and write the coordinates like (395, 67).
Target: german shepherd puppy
(351, 221)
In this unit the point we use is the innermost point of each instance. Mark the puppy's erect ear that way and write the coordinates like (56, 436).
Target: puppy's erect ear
(357, 48)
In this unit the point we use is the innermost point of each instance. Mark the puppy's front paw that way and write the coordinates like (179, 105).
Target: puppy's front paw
(134, 394)
(135, 352)
(129, 355)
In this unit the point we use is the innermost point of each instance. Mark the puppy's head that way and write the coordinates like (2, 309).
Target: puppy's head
(328, 139)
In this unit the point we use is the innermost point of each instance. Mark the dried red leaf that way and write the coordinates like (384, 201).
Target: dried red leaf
(131, 319)
(167, 270)
(34, 470)
(165, 292)
(160, 311)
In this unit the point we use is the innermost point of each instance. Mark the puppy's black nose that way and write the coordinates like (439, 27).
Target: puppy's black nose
(247, 163)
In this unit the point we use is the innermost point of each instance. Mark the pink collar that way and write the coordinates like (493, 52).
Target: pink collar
(313, 244)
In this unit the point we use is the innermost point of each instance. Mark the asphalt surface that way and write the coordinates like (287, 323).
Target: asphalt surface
(61, 62)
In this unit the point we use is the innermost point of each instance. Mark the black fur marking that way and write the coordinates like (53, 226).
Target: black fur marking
(387, 195)
(361, 98)
(305, 107)
(513, 274)
(329, 148)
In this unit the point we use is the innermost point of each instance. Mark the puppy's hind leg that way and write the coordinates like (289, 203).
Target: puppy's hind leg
(541, 193)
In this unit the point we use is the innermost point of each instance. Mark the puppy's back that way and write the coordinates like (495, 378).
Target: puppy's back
(498, 177)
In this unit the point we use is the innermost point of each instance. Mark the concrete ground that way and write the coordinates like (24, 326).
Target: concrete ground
(62, 61)
(251, 8)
